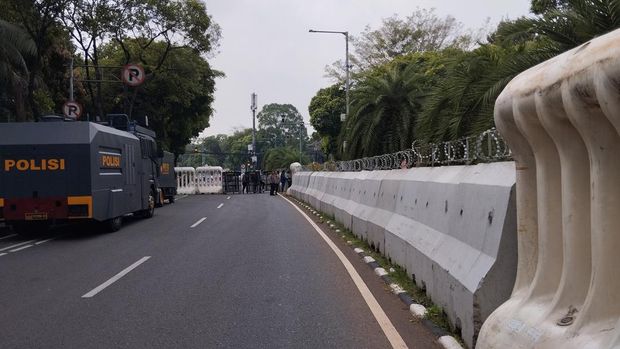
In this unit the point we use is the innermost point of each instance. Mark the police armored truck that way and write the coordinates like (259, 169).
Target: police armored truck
(61, 171)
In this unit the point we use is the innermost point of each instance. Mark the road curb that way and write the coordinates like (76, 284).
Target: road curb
(443, 337)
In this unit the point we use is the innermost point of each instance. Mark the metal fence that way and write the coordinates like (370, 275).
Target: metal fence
(489, 146)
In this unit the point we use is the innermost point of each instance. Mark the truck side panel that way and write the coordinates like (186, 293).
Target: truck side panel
(44, 182)
(115, 180)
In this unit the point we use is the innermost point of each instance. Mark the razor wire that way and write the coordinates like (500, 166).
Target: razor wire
(489, 146)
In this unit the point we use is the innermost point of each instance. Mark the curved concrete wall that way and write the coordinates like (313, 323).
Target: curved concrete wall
(453, 228)
(562, 122)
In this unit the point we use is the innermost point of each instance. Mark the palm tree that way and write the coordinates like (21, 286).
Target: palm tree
(461, 103)
(282, 157)
(16, 48)
(383, 112)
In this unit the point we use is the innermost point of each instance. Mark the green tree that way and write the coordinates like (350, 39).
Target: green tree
(236, 147)
(46, 88)
(179, 24)
(212, 146)
(177, 99)
(422, 31)
(385, 106)
(16, 48)
(281, 125)
(282, 157)
(325, 109)
(541, 6)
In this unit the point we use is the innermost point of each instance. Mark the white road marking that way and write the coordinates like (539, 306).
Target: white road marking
(8, 236)
(16, 245)
(386, 325)
(20, 248)
(3, 254)
(115, 278)
(43, 241)
(199, 221)
(182, 197)
(220, 205)
(228, 198)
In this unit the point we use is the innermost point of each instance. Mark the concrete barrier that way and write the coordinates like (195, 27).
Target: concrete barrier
(562, 122)
(453, 228)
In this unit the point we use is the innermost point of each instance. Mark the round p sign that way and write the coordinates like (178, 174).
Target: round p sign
(133, 75)
(72, 109)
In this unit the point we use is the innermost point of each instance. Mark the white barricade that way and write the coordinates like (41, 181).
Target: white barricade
(186, 180)
(209, 180)
(452, 228)
(561, 120)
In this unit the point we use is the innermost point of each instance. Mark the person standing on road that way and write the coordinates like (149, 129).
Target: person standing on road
(245, 179)
(282, 181)
(272, 181)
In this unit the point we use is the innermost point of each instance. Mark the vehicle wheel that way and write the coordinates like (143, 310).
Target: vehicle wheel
(114, 224)
(171, 199)
(150, 211)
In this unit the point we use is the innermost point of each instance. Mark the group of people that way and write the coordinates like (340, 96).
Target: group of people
(255, 181)
(252, 182)
(281, 178)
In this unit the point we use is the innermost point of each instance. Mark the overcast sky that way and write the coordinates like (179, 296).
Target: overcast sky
(266, 47)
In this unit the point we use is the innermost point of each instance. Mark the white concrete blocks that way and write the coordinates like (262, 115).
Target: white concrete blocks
(562, 121)
(452, 228)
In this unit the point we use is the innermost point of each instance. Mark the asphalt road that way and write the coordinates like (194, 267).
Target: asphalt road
(252, 274)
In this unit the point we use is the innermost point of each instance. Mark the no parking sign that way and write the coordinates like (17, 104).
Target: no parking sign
(133, 75)
(72, 109)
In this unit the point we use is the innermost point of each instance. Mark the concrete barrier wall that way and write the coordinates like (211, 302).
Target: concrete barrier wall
(453, 228)
(561, 119)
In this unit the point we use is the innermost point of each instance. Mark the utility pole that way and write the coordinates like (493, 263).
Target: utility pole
(71, 81)
(253, 107)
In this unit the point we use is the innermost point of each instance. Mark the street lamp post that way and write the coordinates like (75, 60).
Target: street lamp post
(346, 37)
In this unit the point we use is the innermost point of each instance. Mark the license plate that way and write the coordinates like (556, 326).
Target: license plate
(36, 216)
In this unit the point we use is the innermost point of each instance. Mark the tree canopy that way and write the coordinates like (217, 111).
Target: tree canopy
(325, 110)
(170, 39)
(437, 84)
(282, 125)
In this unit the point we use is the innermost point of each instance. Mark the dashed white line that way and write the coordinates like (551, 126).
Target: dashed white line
(20, 248)
(8, 236)
(220, 205)
(43, 241)
(199, 221)
(115, 278)
(228, 198)
(16, 245)
(3, 254)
